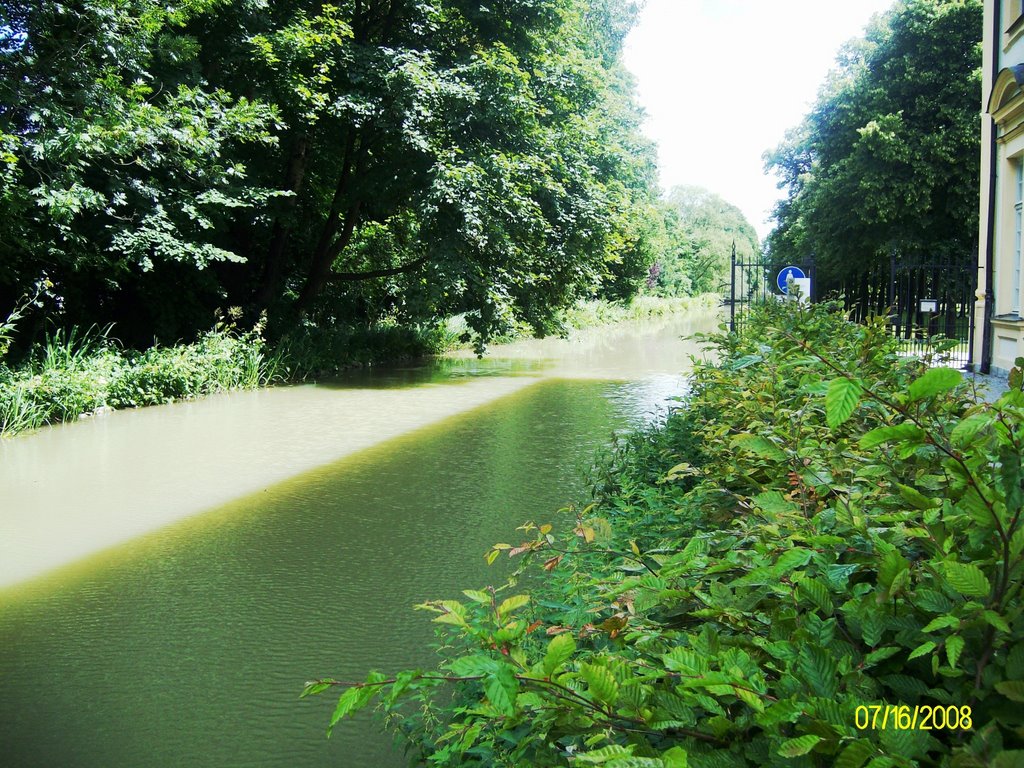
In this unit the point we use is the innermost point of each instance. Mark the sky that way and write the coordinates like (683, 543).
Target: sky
(722, 80)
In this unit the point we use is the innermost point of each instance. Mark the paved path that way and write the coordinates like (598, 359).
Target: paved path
(989, 388)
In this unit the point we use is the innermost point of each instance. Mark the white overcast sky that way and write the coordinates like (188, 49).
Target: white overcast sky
(722, 80)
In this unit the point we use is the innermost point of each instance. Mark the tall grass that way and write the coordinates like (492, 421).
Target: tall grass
(597, 312)
(74, 373)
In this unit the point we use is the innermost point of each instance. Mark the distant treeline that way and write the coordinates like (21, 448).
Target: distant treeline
(354, 162)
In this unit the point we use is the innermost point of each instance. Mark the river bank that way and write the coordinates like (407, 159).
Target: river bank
(825, 523)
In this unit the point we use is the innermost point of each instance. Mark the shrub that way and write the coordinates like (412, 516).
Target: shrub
(78, 373)
(847, 563)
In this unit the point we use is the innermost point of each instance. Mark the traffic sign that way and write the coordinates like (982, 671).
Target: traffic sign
(785, 273)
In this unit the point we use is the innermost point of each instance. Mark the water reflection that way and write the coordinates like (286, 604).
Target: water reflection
(77, 488)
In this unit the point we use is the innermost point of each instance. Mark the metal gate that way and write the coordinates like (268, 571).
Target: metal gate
(749, 284)
(753, 281)
(931, 299)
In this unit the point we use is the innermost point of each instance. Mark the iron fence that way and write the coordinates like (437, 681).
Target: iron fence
(931, 299)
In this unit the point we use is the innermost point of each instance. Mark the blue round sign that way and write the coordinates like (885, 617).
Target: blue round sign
(785, 273)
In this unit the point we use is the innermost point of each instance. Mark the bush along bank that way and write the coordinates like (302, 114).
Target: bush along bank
(75, 373)
(817, 563)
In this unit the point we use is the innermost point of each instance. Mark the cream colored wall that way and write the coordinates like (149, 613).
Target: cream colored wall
(1008, 111)
(986, 135)
(1006, 335)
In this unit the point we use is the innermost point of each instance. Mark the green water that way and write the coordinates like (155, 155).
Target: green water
(188, 646)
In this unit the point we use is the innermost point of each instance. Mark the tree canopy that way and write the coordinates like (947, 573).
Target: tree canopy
(888, 157)
(352, 161)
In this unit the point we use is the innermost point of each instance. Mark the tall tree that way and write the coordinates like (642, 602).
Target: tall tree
(345, 161)
(888, 157)
(477, 159)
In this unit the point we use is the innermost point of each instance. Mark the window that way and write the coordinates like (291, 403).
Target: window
(1018, 225)
(1012, 12)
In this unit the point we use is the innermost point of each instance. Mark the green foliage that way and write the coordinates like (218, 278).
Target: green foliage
(888, 156)
(701, 229)
(75, 374)
(309, 351)
(125, 160)
(348, 164)
(789, 549)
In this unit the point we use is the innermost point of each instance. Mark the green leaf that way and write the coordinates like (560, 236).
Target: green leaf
(473, 666)
(965, 431)
(560, 650)
(841, 400)
(897, 433)
(817, 593)
(1015, 661)
(675, 758)
(781, 712)
(604, 754)
(934, 381)
(881, 654)
(1012, 689)
(759, 446)
(350, 702)
(872, 625)
(602, 683)
(976, 508)
(1009, 758)
(477, 596)
(855, 754)
(501, 688)
(750, 697)
(942, 622)
(891, 566)
(685, 660)
(954, 647)
(922, 649)
(801, 745)
(995, 620)
(819, 670)
(315, 687)
(915, 498)
(512, 604)
(791, 559)
(967, 579)
(774, 503)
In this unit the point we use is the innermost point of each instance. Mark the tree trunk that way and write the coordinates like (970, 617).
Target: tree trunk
(330, 243)
(294, 178)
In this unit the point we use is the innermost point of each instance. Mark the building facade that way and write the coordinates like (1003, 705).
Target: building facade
(999, 335)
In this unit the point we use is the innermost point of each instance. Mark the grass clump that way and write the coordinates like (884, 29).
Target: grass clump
(75, 373)
(820, 563)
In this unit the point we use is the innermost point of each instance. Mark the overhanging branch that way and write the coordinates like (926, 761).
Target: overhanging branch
(349, 277)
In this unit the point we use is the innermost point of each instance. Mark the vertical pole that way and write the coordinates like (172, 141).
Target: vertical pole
(969, 298)
(732, 297)
(892, 279)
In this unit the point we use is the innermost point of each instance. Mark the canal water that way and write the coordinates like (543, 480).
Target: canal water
(170, 577)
